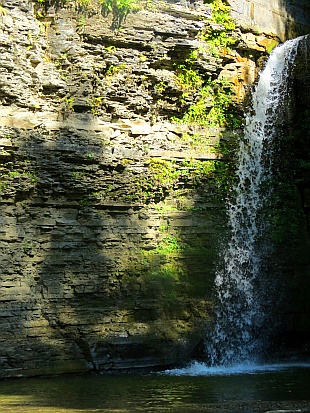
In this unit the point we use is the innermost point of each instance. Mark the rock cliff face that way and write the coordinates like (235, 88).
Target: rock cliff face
(111, 213)
(285, 18)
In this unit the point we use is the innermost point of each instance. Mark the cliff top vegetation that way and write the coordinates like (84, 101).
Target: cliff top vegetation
(121, 8)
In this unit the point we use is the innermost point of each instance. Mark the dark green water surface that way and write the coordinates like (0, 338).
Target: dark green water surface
(285, 389)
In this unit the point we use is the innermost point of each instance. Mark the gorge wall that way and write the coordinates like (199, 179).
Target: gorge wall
(285, 18)
(111, 213)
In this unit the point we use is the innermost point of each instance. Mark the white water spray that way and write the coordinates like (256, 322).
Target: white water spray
(238, 335)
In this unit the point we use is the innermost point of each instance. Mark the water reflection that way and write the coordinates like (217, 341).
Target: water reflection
(157, 393)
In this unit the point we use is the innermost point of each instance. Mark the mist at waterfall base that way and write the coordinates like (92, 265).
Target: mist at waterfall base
(238, 340)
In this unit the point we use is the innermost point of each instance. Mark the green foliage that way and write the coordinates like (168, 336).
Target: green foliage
(164, 272)
(83, 3)
(77, 175)
(163, 208)
(163, 172)
(52, 3)
(61, 3)
(114, 69)
(67, 107)
(219, 37)
(212, 108)
(3, 10)
(81, 22)
(119, 10)
(16, 176)
(84, 202)
(160, 87)
(168, 245)
(167, 173)
(96, 103)
(224, 175)
(111, 49)
(161, 177)
(69, 102)
(221, 14)
(158, 277)
(187, 77)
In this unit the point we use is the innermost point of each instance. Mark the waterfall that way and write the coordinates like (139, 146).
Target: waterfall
(241, 315)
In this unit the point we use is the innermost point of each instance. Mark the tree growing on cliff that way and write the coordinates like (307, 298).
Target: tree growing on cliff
(119, 9)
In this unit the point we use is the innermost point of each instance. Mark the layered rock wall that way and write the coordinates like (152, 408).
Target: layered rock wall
(285, 18)
(109, 212)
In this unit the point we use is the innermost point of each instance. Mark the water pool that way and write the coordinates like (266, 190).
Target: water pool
(195, 389)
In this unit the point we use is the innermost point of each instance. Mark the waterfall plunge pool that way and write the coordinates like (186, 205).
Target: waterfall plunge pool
(268, 388)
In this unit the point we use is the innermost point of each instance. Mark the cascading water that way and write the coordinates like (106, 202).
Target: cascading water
(238, 334)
